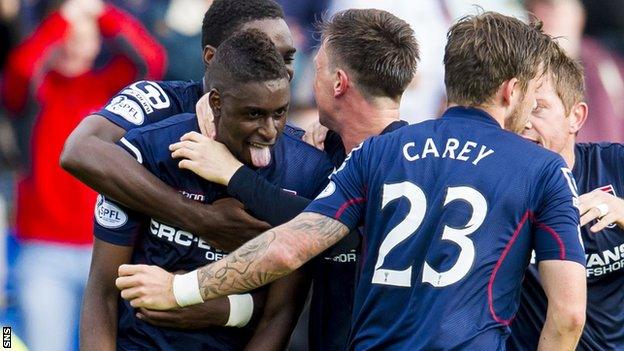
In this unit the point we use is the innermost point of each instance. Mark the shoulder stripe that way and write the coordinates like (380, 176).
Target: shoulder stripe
(133, 149)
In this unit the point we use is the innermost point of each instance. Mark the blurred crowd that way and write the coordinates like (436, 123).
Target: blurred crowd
(61, 60)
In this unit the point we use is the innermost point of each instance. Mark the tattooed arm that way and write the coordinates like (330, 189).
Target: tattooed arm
(260, 261)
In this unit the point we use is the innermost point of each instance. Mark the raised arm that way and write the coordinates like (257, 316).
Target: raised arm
(565, 286)
(98, 317)
(90, 154)
(146, 56)
(258, 262)
(212, 161)
(28, 60)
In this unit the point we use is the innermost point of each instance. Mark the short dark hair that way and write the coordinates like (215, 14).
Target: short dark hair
(247, 56)
(567, 78)
(377, 47)
(224, 17)
(485, 50)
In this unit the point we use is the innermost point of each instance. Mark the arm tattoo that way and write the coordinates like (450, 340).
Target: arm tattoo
(271, 255)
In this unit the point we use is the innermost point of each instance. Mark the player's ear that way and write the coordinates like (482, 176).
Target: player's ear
(341, 83)
(510, 91)
(214, 99)
(578, 116)
(209, 52)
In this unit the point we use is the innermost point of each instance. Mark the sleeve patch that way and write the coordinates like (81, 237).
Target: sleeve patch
(109, 215)
(126, 108)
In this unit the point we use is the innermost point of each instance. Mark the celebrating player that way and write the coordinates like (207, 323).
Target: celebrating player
(91, 154)
(356, 106)
(249, 94)
(451, 209)
(559, 115)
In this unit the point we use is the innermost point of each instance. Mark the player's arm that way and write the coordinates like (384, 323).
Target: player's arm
(260, 261)
(98, 317)
(90, 154)
(283, 306)
(565, 287)
(561, 258)
(213, 313)
(212, 161)
(266, 258)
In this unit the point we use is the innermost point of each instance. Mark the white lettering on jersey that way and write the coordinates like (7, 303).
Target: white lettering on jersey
(126, 108)
(108, 215)
(149, 93)
(184, 238)
(413, 152)
(140, 98)
(604, 262)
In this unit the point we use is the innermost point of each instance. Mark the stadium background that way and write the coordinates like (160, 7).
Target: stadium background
(593, 31)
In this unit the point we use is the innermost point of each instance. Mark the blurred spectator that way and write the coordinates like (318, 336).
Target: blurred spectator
(605, 21)
(302, 17)
(177, 26)
(604, 69)
(52, 75)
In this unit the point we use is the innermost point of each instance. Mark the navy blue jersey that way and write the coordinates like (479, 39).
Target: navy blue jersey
(334, 274)
(146, 102)
(451, 210)
(597, 166)
(295, 166)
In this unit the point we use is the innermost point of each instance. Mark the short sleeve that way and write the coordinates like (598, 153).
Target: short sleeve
(344, 197)
(556, 219)
(115, 224)
(139, 104)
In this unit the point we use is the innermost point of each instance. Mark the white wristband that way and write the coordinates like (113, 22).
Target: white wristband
(241, 310)
(186, 289)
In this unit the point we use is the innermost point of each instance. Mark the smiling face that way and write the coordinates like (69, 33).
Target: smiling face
(549, 125)
(249, 117)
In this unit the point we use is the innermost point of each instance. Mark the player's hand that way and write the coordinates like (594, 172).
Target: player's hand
(205, 157)
(590, 211)
(230, 225)
(315, 135)
(205, 118)
(199, 316)
(146, 286)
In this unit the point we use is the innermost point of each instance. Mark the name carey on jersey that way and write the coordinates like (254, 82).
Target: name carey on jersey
(468, 151)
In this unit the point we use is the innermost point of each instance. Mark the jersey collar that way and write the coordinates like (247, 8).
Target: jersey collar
(393, 126)
(470, 113)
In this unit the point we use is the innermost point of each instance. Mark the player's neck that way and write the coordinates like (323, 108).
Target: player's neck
(568, 153)
(361, 121)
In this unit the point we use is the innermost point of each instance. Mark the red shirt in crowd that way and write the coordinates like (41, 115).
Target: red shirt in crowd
(52, 206)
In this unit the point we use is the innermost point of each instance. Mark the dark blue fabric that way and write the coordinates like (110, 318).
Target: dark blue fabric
(596, 166)
(294, 166)
(436, 177)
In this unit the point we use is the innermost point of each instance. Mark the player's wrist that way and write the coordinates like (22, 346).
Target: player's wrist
(186, 289)
(231, 169)
(241, 310)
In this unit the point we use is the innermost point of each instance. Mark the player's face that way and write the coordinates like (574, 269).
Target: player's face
(522, 111)
(548, 125)
(277, 30)
(323, 86)
(251, 117)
